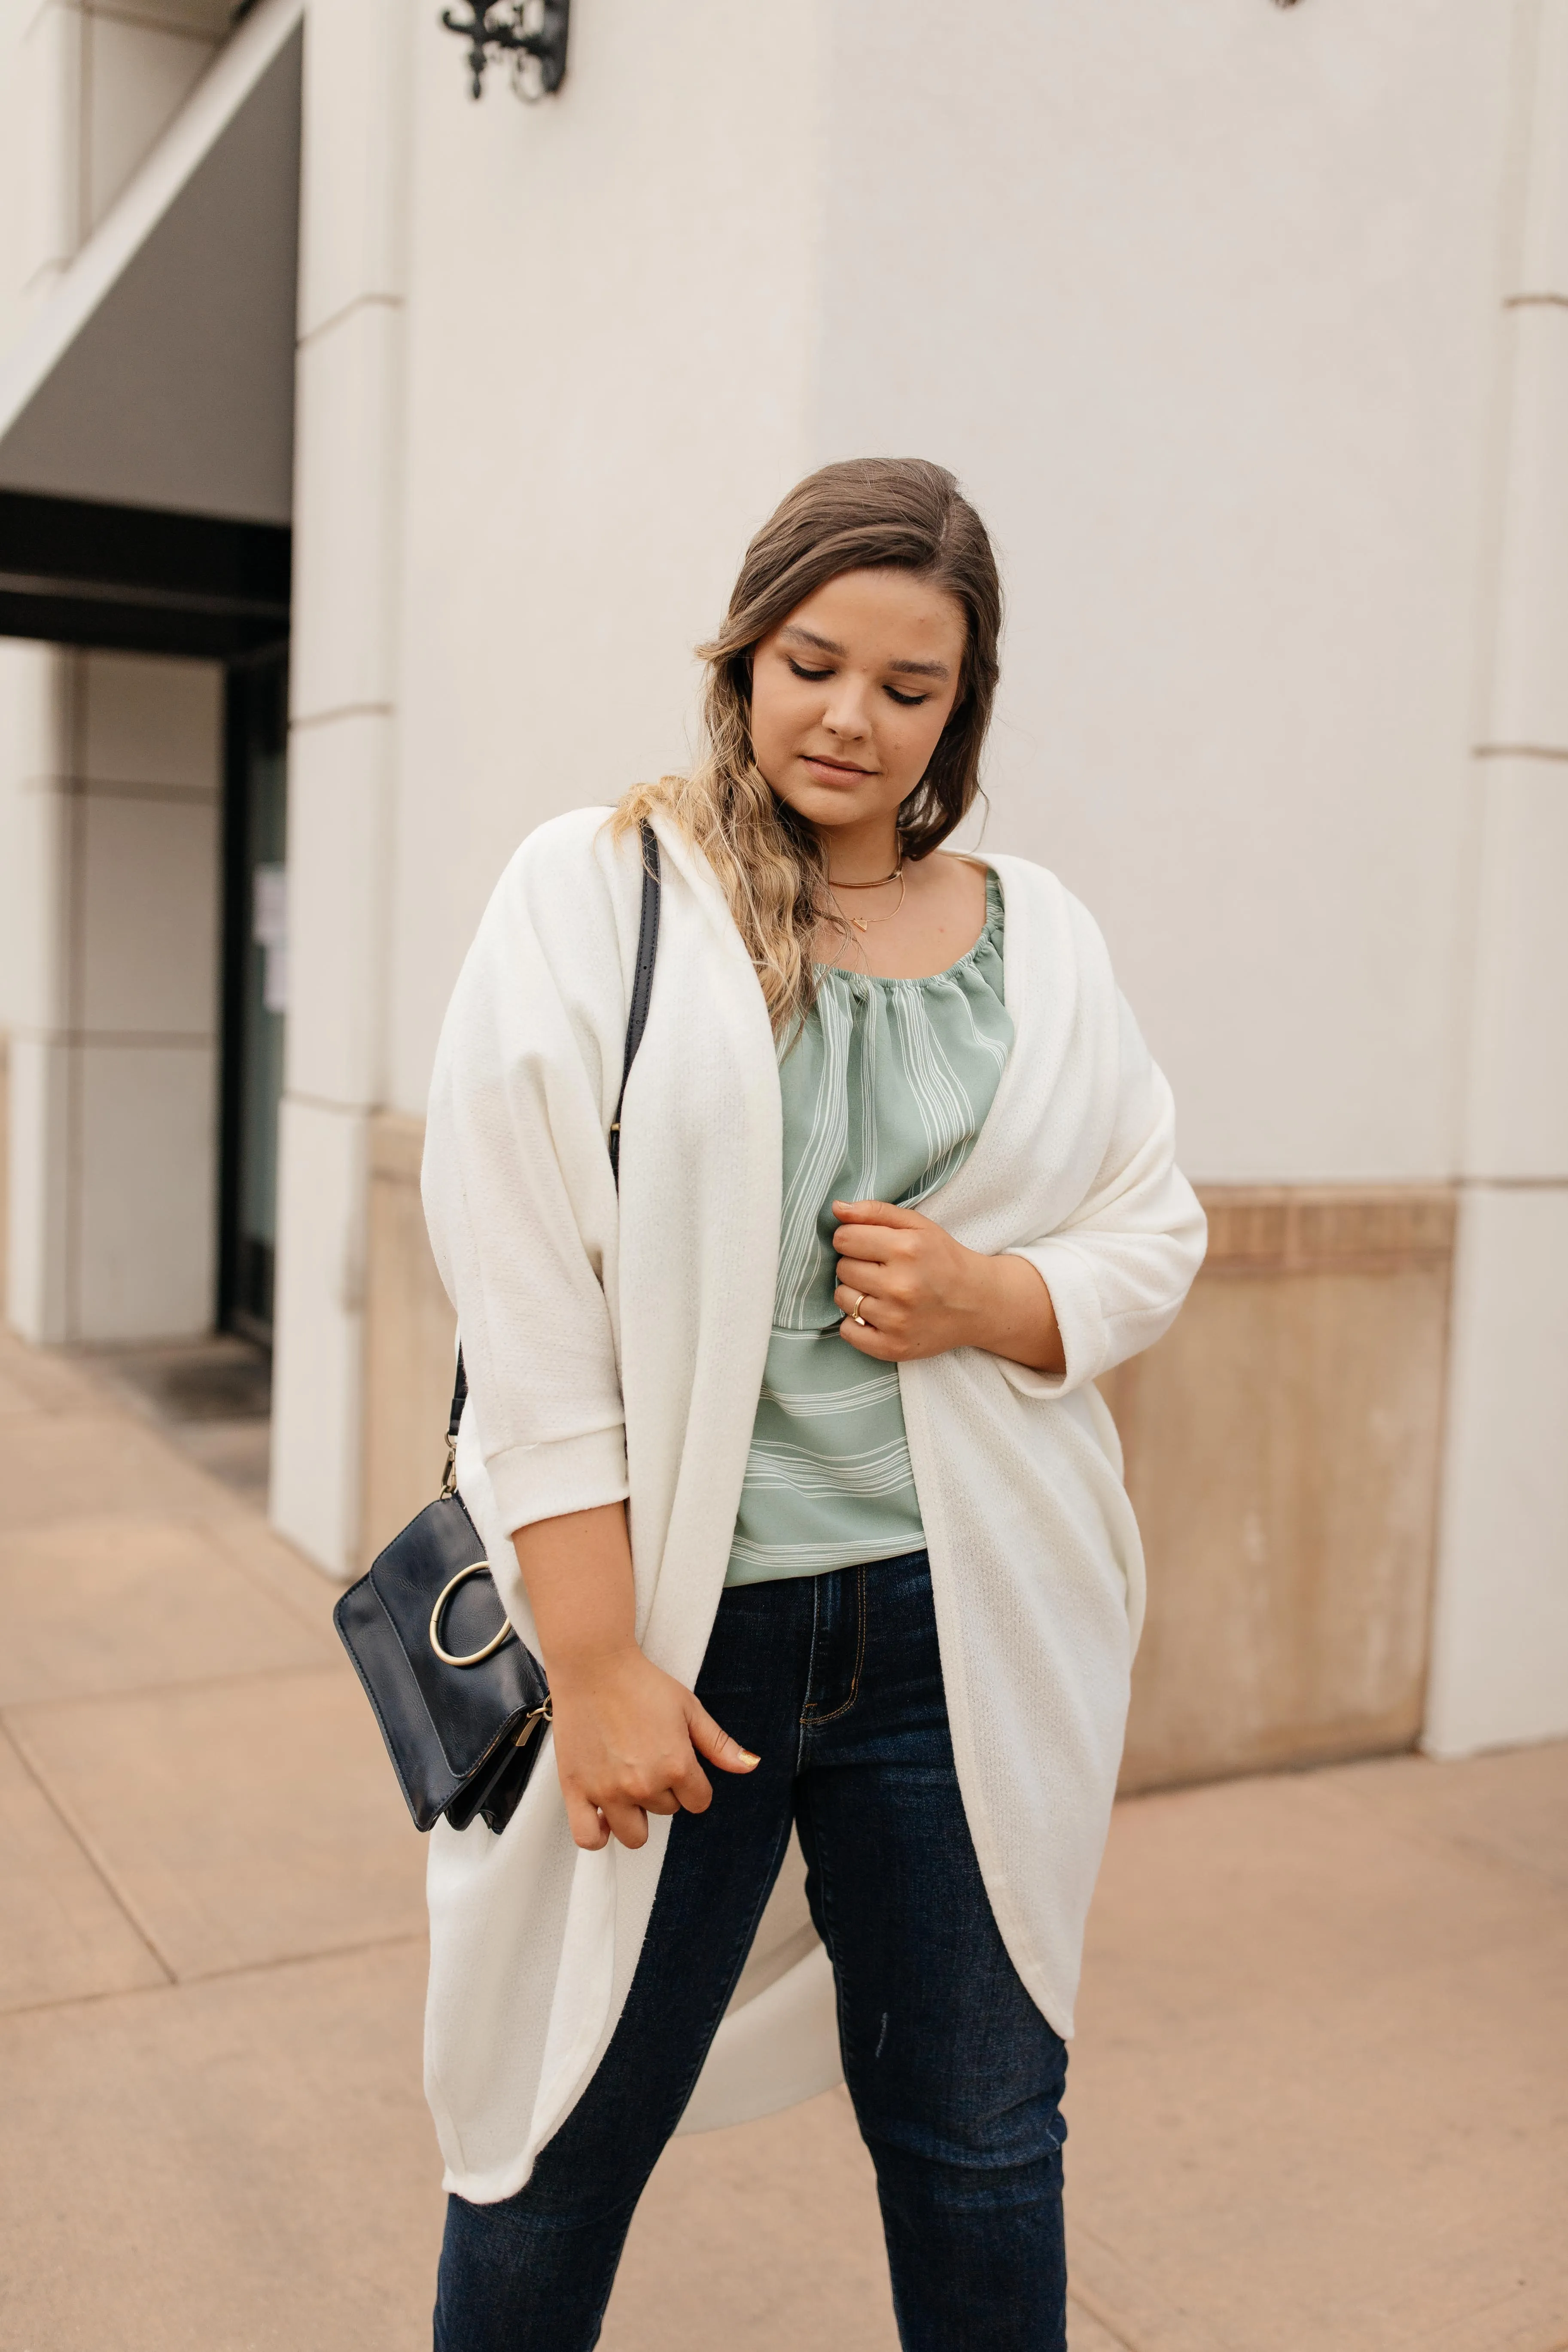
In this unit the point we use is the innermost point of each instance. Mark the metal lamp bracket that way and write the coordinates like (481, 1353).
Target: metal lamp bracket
(532, 33)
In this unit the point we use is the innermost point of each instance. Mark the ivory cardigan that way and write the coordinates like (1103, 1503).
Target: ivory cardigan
(616, 1347)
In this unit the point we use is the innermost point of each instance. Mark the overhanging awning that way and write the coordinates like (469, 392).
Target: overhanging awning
(140, 579)
(146, 414)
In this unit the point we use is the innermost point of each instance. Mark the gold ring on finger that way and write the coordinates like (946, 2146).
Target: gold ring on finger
(855, 1314)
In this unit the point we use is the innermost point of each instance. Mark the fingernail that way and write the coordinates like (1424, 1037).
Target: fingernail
(748, 1760)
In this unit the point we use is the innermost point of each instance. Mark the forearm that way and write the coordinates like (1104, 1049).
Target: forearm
(1013, 1315)
(577, 1571)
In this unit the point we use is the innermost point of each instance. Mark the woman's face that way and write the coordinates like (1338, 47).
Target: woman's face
(849, 696)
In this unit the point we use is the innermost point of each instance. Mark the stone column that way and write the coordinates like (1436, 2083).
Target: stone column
(348, 435)
(1500, 1636)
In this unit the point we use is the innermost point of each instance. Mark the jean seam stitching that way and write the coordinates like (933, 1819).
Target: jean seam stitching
(806, 1718)
(859, 1658)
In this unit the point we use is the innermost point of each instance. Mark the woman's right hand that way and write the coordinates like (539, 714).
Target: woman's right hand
(628, 1737)
(627, 1740)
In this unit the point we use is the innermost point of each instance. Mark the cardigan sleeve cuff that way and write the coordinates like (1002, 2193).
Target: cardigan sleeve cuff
(1079, 1318)
(572, 1474)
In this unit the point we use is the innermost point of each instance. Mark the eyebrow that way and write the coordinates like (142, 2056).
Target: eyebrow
(828, 645)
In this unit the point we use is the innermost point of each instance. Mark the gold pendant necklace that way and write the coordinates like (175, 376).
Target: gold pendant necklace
(864, 922)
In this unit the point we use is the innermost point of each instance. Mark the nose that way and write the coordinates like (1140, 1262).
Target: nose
(846, 714)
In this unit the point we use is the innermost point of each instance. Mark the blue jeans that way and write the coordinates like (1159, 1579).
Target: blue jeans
(834, 1681)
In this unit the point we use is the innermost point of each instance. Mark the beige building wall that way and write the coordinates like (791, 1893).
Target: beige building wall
(1204, 311)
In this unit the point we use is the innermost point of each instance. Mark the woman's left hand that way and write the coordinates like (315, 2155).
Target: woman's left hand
(906, 1289)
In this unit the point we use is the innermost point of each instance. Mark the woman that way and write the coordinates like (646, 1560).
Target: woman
(787, 1458)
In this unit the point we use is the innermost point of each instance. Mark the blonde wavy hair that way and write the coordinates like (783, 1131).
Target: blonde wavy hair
(874, 514)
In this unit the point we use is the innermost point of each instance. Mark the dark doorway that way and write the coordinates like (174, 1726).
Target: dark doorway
(122, 579)
(255, 966)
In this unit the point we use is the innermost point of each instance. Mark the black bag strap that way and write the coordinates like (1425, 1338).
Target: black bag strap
(642, 980)
(636, 1022)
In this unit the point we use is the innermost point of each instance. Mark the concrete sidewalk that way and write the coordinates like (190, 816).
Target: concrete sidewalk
(1320, 2096)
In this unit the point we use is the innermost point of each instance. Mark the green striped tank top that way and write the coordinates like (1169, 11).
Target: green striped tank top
(884, 1090)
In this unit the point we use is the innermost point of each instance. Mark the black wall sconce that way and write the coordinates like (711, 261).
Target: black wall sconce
(532, 33)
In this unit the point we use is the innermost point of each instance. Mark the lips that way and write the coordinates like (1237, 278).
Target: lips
(838, 767)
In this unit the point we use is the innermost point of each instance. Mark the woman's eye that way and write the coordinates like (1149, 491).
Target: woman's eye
(801, 671)
(908, 701)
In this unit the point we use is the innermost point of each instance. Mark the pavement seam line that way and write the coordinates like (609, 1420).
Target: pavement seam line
(241, 1678)
(258, 1580)
(413, 1935)
(1092, 2308)
(94, 1860)
(1102, 2314)
(213, 1976)
(1432, 1838)
(1131, 2333)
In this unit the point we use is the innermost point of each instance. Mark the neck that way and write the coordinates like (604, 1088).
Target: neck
(859, 853)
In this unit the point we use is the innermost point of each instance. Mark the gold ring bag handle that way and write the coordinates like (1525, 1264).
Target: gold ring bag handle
(475, 1657)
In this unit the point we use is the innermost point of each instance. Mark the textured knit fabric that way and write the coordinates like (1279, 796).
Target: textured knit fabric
(883, 1090)
(615, 1348)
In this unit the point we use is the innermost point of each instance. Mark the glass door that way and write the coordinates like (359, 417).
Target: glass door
(255, 986)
